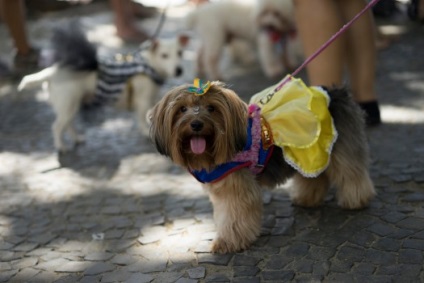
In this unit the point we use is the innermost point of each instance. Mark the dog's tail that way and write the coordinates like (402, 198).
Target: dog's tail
(36, 79)
(344, 110)
(72, 48)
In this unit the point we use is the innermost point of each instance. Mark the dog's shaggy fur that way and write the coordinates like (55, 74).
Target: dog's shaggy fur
(72, 79)
(220, 118)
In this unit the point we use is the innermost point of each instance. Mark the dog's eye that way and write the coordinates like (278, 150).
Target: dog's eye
(164, 55)
(210, 108)
(183, 109)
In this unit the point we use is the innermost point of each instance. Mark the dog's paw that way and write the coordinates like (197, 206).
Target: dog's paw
(221, 246)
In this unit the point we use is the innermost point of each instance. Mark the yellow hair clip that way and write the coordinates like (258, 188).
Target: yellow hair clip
(198, 88)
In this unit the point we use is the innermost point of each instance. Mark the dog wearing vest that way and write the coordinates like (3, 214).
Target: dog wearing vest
(313, 135)
(79, 76)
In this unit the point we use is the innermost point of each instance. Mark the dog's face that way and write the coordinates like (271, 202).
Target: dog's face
(166, 55)
(199, 131)
(275, 17)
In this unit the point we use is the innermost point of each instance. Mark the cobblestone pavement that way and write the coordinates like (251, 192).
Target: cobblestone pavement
(115, 211)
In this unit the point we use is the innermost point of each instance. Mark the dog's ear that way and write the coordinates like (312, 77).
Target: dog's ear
(183, 39)
(156, 119)
(234, 118)
(154, 45)
(239, 121)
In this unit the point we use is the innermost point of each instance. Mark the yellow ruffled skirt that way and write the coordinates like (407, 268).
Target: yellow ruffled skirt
(301, 124)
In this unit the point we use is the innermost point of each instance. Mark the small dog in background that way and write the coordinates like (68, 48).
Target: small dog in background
(235, 149)
(277, 30)
(223, 23)
(78, 76)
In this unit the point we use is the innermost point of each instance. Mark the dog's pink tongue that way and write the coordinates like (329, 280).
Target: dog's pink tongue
(275, 36)
(198, 145)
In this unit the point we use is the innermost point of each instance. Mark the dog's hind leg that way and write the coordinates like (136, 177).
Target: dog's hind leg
(352, 181)
(65, 109)
(76, 138)
(309, 192)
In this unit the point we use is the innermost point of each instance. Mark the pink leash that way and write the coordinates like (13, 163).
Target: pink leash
(325, 45)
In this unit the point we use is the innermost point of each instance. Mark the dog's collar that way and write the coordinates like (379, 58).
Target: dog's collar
(255, 155)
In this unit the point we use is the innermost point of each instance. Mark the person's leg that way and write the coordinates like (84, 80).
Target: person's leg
(361, 58)
(13, 16)
(125, 21)
(317, 21)
(361, 55)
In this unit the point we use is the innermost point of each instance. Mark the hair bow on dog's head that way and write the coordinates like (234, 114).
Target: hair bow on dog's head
(199, 88)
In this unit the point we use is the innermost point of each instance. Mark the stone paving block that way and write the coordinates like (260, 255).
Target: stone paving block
(277, 262)
(279, 276)
(5, 276)
(123, 259)
(413, 244)
(216, 259)
(203, 247)
(296, 250)
(197, 272)
(387, 244)
(73, 266)
(168, 277)
(140, 278)
(22, 263)
(351, 253)
(363, 269)
(244, 271)
(26, 274)
(243, 260)
(247, 280)
(52, 264)
(411, 223)
(98, 256)
(4, 266)
(186, 280)
(320, 253)
(217, 278)
(116, 276)
(146, 266)
(99, 268)
(379, 257)
(408, 256)
(25, 247)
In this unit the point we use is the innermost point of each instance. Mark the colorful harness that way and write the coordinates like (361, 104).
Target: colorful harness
(255, 155)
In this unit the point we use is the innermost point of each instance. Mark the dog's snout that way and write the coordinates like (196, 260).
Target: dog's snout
(196, 125)
(178, 71)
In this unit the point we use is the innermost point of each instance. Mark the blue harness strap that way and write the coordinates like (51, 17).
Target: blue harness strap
(223, 170)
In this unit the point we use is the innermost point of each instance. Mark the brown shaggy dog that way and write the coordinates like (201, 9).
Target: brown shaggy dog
(204, 133)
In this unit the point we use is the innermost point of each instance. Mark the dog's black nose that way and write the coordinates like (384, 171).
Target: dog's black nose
(196, 125)
(178, 71)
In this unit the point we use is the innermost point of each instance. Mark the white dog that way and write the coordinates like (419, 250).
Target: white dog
(131, 81)
(265, 23)
(276, 29)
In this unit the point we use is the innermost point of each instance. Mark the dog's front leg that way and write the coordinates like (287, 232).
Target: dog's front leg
(270, 62)
(237, 203)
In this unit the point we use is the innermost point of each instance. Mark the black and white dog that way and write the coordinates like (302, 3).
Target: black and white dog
(131, 81)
